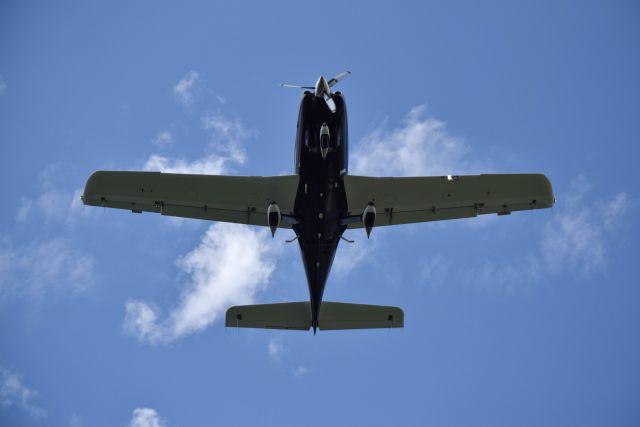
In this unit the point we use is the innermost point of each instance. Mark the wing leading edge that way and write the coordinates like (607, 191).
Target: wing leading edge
(420, 199)
(237, 199)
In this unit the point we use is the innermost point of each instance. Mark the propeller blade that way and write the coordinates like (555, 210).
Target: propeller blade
(337, 78)
(296, 86)
(330, 102)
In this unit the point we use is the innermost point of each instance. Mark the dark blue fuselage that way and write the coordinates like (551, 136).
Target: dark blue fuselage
(321, 200)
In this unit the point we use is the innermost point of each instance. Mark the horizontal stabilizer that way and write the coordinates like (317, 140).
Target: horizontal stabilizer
(341, 315)
(286, 315)
(297, 315)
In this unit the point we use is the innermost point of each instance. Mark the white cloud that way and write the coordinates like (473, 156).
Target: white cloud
(576, 241)
(275, 348)
(231, 264)
(3, 85)
(26, 206)
(212, 164)
(517, 275)
(615, 209)
(185, 89)
(38, 269)
(13, 392)
(434, 271)
(53, 205)
(227, 136)
(145, 417)
(422, 146)
(299, 371)
(351, 255)
(225, 129)
(163, 139)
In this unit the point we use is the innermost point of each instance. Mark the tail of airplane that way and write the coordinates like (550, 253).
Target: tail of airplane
(297, 316)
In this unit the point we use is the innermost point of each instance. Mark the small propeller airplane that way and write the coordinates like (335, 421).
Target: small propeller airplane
(319, 202)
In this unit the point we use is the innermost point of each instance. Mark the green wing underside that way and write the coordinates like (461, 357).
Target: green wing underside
(420, 199)
(237, 199)
(245, 199)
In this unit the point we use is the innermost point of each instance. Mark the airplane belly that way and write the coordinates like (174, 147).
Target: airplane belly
(321, 199)
(319, 232)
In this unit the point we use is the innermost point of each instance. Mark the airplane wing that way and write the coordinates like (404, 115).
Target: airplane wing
(419, 199)
(238, 199)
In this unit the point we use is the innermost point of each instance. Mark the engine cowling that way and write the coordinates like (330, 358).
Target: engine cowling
(369, 218)
(273, 217)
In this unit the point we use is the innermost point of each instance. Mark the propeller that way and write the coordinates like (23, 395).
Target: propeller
(323, 87)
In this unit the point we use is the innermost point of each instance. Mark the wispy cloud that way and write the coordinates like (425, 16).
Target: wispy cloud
(232, 262)
(230, 131)
(226, 138)
(44, 268)
(14, 393)
(576, 242)
(163, 139)
(577, 239)
(54, 204)
(230, 266)
(226, 135)
(3, 85)
(275, 348)
(351, 255)
(300, 371)
(146, 417)
(421, 146)
(434, 271)
(211, 164)
(185, 90)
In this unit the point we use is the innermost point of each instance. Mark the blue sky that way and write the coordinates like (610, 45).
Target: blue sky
(114, 319)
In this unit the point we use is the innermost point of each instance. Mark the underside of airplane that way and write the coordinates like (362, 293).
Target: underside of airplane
(318, 202)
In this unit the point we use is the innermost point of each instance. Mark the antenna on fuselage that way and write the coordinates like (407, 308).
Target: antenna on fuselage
(322, 89)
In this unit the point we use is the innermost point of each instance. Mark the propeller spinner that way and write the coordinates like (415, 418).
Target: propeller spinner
(322, 89)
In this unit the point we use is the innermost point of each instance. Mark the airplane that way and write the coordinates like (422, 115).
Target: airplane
(319, 203)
